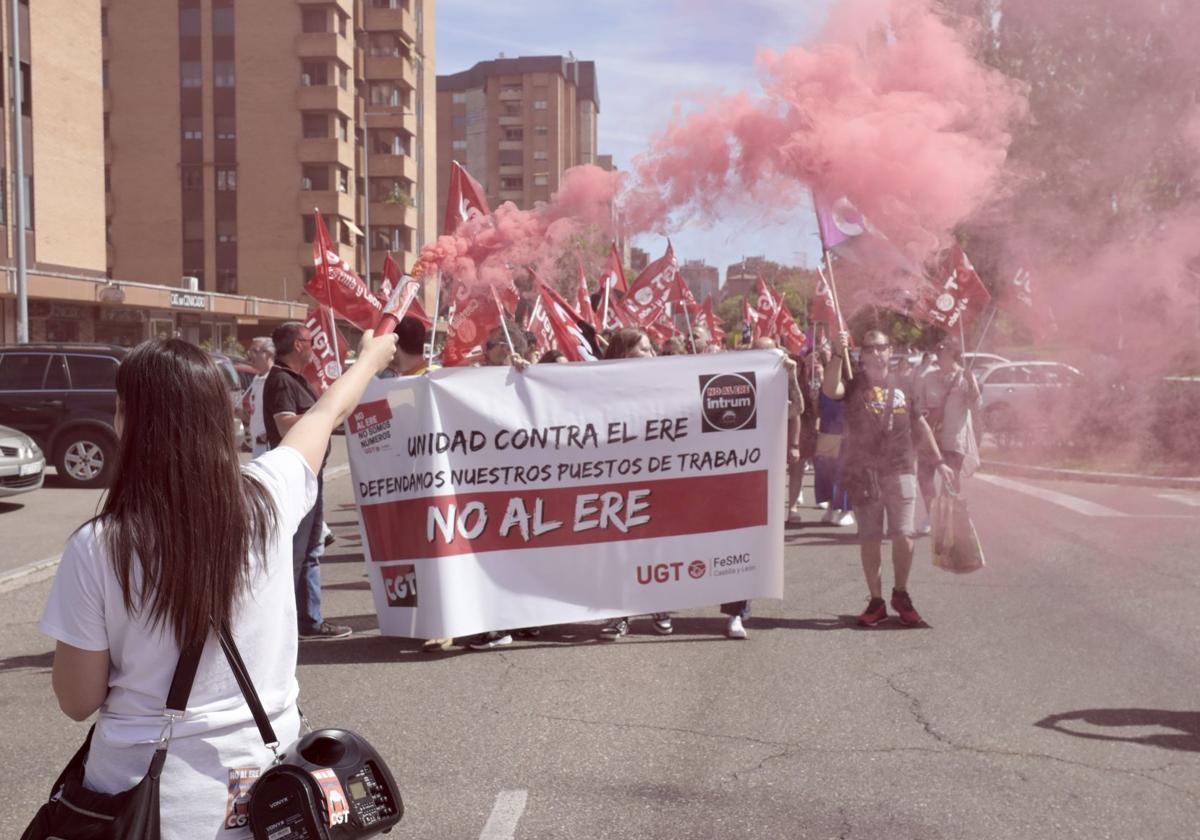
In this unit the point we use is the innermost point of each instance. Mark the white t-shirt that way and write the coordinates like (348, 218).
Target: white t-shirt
(258, 426)
(216, 743)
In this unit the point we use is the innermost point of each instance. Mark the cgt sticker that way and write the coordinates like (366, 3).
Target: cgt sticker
(400, 585)
(728, 402)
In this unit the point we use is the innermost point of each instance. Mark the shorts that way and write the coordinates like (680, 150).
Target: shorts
(897, 498)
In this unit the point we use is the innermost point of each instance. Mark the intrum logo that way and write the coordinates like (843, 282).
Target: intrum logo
(400, 585)
(697, 568)
(728, 402)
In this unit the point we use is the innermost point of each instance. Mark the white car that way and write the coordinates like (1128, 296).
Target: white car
(1018, 395)
(980, 362)
(22, 463)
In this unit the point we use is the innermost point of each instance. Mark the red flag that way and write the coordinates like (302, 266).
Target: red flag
(954, 294)
(539, 325)
(820, 307)
(613, 276)
(474, 313)
(768, 299)
(751, 318)
(335, 284)
(464, 198)
(653, 289)
(584, 307)
(327, 365)
(566, 325)
(709, 320)
(790, 335)
(392, 276)
(1022, 300)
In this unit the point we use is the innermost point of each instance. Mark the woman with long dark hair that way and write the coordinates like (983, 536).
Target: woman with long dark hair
(187, 538)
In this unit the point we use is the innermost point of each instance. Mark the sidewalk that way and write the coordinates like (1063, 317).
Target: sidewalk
(1029, 471)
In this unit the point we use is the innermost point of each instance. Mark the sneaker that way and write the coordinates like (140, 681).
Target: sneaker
(327, 536)
(614, 631)
(735, 630)
(800, 498)
(528, 632)
(325, 630)
(436, 645)
(662, 624)
(875, 612)
(823, 505)
(794, 518)
(830, 515)
(924, 527)
(491, 640)
(329, 539)
(845, 520)
(903, 605)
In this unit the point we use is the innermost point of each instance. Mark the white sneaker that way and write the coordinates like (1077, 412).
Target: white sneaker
(735, 630)
(830, 515)
(846, 519)
(799, 498)
(923, 527)
(823, 505)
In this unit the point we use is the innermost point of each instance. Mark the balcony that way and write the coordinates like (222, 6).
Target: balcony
(325, 98)
(395, 118)
(516, 120)
(347, 6)
(386, 67)
(391, 20)
(511, 94)
(326, 150)
(325, 45)
(396, 166)
(329, 202)
(392, 214)
(512, 145)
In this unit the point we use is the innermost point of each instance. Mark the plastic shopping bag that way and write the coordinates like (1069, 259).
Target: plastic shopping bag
(956, 545)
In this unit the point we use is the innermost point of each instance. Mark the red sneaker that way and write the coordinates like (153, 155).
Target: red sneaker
(876, 612)
(903, 605)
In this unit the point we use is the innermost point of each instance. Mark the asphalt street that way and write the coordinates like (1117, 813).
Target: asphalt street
(1052, 694)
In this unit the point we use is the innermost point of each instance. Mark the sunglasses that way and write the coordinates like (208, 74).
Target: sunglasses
(876, 348)
(492, 344)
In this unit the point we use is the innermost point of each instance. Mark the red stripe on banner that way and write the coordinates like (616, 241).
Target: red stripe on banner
(512, 520)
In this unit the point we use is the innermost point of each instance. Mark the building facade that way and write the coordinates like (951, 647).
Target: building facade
(702, 280)
(517, 124)
(226, 124)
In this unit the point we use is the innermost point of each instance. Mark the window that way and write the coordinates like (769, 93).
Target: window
(314, 20)
(387, 94)
(459, 122)
(512, 90)
(541, 179)
(227, 281)
(104, 21)
(314, 73)
(226, 127)
(343, 25)
(107, 179)
(310, 227)
(344, 233)
(344, 129)
(387, 45)
(189, 22)
(511, 157)
(388, 143)
(539, 105)
(458, 98)
(389, 4)
(226, 230)
(22, 371)
(539, 154)
(222, 20)
(387, 238)
(343, 180)
(107, 125)
(193, 128)
(458, 145)
(314, 178)
(315, 125)
(1008, 376)
(93, 373)
(512, 109)
(193, 178)
(189, 74)
(226, 180)
(193, 231)
(26, 90)
(514, 134)
(56, 374)
(541, 130)
(343, 77)
(104, 75)
(223, 74)
(512, 183)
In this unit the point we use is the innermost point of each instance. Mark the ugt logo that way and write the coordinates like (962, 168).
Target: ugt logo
(670, 572)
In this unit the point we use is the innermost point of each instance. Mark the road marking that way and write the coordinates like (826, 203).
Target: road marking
(30, 574)
(338, 471)
(1193, 499)
(502, 824)
(1073, 503)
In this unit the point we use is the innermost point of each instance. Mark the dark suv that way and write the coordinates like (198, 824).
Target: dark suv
(64, 396)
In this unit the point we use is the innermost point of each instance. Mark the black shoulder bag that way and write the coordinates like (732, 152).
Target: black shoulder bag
(75, 813)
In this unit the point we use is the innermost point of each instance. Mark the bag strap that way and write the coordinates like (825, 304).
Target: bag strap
(181, 682)
(242, 675)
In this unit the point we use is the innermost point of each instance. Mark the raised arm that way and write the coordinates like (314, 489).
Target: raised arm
(832, 385)
(309, 435)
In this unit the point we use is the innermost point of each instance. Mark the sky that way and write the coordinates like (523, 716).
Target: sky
(652, 56)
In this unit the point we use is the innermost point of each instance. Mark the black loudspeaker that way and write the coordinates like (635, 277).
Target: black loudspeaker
(329, 785)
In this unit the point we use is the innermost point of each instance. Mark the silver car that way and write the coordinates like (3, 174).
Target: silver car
(22, 463)
(1020, 395)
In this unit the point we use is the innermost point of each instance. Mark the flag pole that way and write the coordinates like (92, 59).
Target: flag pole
(687, 320)
(503, 322)
(437, 303)
(337, 357)
(837, 308)
(604, 316)
(983, 333)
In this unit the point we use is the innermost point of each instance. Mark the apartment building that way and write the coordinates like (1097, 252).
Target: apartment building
(517, 124)
(226, 124)
(703, 280)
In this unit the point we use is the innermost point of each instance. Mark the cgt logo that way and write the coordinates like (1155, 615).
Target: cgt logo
(400, 585)
(670, 572)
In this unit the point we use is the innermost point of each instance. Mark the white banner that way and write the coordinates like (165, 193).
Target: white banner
(490, 499)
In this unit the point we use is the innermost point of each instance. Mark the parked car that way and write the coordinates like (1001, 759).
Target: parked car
(22, 464)
(980, 361)
(1021, 395)
(64, 396)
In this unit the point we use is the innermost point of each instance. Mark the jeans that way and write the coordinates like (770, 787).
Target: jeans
(827, 482)
(307, 548)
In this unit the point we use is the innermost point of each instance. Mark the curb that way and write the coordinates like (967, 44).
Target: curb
(29, 574)
(1132, 479)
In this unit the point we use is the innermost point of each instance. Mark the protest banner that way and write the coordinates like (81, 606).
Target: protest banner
(490, 499)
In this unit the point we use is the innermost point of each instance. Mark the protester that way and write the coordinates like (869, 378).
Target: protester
(185, 539)
(409, 360)
(286, 397)
(946, 397)
(811, 370)
(553, 357)
(262, 357)
(882, 428)
(673, 346)
(632, 343)
(829, 465)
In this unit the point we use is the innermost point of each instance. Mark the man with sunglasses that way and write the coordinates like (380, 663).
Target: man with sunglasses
(286, 396)
(882, 428)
